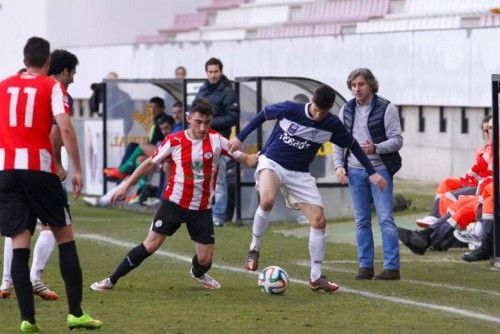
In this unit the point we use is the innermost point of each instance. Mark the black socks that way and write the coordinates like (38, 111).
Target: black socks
(72, 276)
(22, 285)
(198, 269)
(133, 259)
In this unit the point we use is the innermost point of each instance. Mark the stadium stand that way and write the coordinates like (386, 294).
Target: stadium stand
(297, 30)
(268, 19)
(343, 11)
(217, 5)
(275, 2)
(185, 22)
(489, 21)
(250, 17)
(404, 24)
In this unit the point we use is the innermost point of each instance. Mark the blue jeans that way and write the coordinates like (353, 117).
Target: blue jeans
(220, 196)
(362, 194)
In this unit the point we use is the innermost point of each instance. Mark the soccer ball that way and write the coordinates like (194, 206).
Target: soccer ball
(273, 280)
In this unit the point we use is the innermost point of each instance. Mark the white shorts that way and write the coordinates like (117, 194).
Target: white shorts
(297, 187)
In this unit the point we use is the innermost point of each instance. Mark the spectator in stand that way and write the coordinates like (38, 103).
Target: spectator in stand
(180, 72)
(450, 189)
(134, 153)
(177, 113)
(218, 90)
(119, 104)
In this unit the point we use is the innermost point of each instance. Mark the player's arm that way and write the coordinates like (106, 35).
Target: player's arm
(146, 167)
(57, 143)
(71, 144)
(258, 120)
(249, 160)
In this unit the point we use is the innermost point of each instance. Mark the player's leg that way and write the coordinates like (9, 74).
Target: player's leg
(44, 247)
(18, 222)
(71, 272)
(49, 203)
(137, 255)
(202, 262)
(317, 244)
(201, 230)
(20, 275)
(268, 187)
(6, 286)
(160, 229)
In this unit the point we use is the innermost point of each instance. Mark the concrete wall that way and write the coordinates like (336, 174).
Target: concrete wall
(432, 155)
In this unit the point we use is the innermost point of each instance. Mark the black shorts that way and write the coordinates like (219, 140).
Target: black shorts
(199, 223)
(27, 195)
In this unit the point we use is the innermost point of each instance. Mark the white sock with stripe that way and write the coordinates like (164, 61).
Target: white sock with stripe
(317, 241)
(41, 254)
(7, 258)
(260, 224)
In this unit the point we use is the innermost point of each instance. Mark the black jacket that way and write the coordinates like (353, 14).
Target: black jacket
(225, 102)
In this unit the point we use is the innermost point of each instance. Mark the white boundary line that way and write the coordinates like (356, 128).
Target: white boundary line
(404, 301)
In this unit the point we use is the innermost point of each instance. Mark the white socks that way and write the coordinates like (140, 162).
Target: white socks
(7, 258)
(105, 199)
(41, 254)
(260, 224)
(317, 239)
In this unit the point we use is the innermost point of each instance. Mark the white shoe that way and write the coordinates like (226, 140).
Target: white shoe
(152, 201)
(218, 222)
(426, 221)
(6, 288)
(41, 290)
(467, 237)
(205, 280)
(105, 284)
(91, 201)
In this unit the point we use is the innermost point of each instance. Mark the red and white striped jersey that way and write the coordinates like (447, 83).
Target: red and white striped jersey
(28, 104)
(193, 167)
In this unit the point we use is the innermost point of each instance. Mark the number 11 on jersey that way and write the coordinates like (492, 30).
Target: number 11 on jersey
(30, 102)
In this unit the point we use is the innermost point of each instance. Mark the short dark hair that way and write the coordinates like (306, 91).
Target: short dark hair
(213, 61)
(180, 68)
(36, 52)
(486, 119)
(203, 106)
(367, 75)
(301, 98)
(158, 100)
(323, 97)
(166, 119)
(61, 60)
(177, 104)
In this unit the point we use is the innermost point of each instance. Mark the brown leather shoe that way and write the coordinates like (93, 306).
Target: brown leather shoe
(364, 273)
(388, 275)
